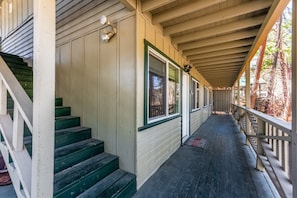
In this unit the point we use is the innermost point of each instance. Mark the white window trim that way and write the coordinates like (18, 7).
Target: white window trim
(205, 98)
(197, 108)
(156, 54)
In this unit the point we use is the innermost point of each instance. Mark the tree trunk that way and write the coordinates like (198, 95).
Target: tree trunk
(258, 72)
(270, 110)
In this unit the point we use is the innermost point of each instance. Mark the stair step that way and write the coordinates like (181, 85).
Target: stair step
(22, 71)
(64, 122)
(27, 84)
(63, 137)
(75, 180)
(10, 57)
(62, 111)
(117, 184)
(24, 78)
(59, 102)
(72, 135)
(69, 155)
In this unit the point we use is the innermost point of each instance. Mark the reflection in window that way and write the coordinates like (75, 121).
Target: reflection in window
(173, 89)
(157, 91)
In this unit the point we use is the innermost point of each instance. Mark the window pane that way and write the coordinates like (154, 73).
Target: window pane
(157, 87)
(173, 90)
(193, 92)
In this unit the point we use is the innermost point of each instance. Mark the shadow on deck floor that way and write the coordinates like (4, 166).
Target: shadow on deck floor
(224, 168)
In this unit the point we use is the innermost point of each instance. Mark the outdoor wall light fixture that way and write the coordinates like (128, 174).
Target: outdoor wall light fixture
(109, 31)
(187, 68)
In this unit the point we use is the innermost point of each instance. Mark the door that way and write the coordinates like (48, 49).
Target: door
(185, 107)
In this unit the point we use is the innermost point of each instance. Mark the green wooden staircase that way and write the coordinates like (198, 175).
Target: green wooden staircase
(81, 167)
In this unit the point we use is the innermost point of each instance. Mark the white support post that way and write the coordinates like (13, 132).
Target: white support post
(293, 144)
(18, 130)
(238, 91)
(247, 99)
(260, 150)
(3, 98)
(248, 85)
(43, 98)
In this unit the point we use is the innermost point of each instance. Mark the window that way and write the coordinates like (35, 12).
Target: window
(205, 96)
(163, 93)
(195, 95)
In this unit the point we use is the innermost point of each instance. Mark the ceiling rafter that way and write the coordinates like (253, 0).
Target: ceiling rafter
(219, 58)
(234, 60)
(149, 5)
(188, 8)
(218, 47)
(230, 27)
(219, 53)
(219, 39)
(228, 13)
(229, 65)
(230, 61)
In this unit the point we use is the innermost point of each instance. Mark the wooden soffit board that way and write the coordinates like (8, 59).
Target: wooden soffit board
(216, 36)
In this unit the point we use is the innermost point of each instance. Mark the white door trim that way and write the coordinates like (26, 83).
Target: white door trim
(185, 107)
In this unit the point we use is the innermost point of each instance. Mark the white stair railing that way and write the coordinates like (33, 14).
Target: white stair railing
(12, 146)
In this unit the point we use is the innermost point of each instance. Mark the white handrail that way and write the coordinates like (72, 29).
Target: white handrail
(13, 130)
(17, 93)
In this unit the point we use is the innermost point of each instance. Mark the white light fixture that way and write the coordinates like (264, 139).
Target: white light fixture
(109, 31)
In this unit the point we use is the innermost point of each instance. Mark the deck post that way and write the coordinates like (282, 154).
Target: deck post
(238, 91)
(247, 99)
(43, 98)
(260, 150)
(293, 156)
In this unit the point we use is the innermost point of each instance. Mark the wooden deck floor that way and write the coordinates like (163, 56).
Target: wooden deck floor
(224, 168)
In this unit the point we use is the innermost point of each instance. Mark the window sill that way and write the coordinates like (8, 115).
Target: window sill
(152, 124)
(194, 110)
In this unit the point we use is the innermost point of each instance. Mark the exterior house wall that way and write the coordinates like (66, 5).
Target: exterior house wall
(17, 27)
(156, 144)
(104, 82)
(97, 78)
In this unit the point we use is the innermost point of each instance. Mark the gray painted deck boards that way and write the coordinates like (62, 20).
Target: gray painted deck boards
(224, 168)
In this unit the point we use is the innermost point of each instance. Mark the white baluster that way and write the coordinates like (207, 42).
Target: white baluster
(3, 98)
(18, 129)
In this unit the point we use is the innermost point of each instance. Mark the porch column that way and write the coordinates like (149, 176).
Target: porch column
(247, 98)
(293, 153)
(238, 91)
(248, 85)
(43, 98)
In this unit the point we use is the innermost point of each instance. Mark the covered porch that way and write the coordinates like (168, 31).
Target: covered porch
(224, 167)
(210, 42)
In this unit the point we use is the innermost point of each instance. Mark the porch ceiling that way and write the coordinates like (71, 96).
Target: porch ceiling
(218, 37)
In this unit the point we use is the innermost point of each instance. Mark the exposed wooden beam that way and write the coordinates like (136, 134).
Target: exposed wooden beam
(224, 46)
(130, 4)
(218, 70)
(228, 13)
(150, 5)
(219, 58)
(219, 39)
(188, 8)
(230, 27)
(230, 65)
(235, 60)
(219, 53)
(213, 75)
